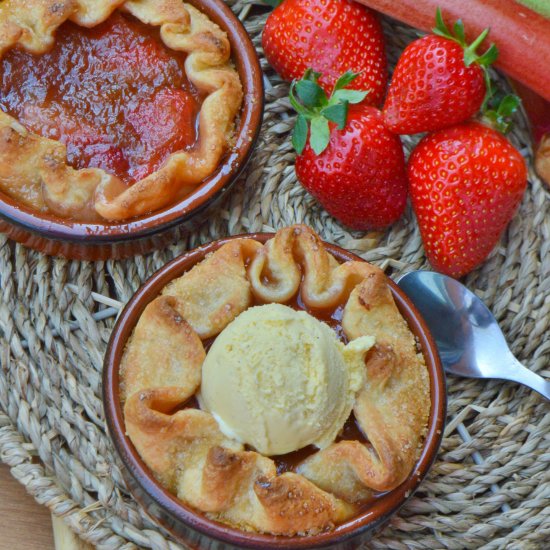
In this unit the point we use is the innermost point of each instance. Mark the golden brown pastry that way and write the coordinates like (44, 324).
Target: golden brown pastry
(34, 169)
(214, 473)
(390, 409)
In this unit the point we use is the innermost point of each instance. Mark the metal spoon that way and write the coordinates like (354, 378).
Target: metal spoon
(467, 335)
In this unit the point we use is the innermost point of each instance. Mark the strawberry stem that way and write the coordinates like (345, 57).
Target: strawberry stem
(471, 49)
(315, 110)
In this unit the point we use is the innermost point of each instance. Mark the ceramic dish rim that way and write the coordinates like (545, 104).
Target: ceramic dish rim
(250, 117)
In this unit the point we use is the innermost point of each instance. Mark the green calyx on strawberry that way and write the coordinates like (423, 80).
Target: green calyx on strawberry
(439, 80)
(316, 110)
(499, 114)
(347, 158)
(470, 54)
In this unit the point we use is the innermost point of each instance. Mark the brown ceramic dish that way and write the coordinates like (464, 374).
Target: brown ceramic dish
(195, 529)
(57, 236)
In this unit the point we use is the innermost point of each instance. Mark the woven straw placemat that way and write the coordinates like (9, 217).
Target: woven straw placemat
(490, 486)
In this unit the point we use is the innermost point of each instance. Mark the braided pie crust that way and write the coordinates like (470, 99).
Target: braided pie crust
(188, 453)
(26, 159)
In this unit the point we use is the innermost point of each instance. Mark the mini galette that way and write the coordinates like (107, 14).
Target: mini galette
(111, 109)
(274, 389)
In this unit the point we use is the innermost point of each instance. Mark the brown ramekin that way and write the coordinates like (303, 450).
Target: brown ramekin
(53, 235)
(193, 528)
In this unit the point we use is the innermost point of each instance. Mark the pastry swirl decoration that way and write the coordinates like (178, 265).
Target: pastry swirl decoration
(184, 447)
(27, 158)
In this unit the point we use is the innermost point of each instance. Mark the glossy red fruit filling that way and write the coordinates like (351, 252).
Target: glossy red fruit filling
(114, 95)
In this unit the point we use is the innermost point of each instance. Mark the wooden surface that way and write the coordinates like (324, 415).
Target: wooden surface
(24, 524)
(65, 539)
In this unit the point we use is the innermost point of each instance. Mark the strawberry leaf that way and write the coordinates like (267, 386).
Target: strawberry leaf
(351, 96)
(440, 28)
(319, 135)
(458, 28)
(316, 110)
(347, 78)
(337, 113)
(273, 3)
(310, 74)
(299, 135)
(459, 36)
(489, 57)
(509, 105)
(470, 55)
(310, 93)
(500, 116)
(300, 109)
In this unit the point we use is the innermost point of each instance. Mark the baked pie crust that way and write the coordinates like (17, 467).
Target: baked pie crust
(28, 159)
(184, 447)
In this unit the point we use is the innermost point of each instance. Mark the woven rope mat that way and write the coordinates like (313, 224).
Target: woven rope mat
(53, 337)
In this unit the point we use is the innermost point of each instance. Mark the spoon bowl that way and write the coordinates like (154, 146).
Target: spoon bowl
(468, 337)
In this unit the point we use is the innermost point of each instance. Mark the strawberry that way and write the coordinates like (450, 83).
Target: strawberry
(351, 163)
(439, 81)
(466, 183)
(330, 36)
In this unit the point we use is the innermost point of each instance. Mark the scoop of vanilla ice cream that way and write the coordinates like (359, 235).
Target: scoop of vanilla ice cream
(279, 379)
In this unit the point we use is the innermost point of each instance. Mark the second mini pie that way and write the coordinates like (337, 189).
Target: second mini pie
(110, 110)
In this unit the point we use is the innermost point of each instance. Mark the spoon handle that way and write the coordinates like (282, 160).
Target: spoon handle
(520, 373)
